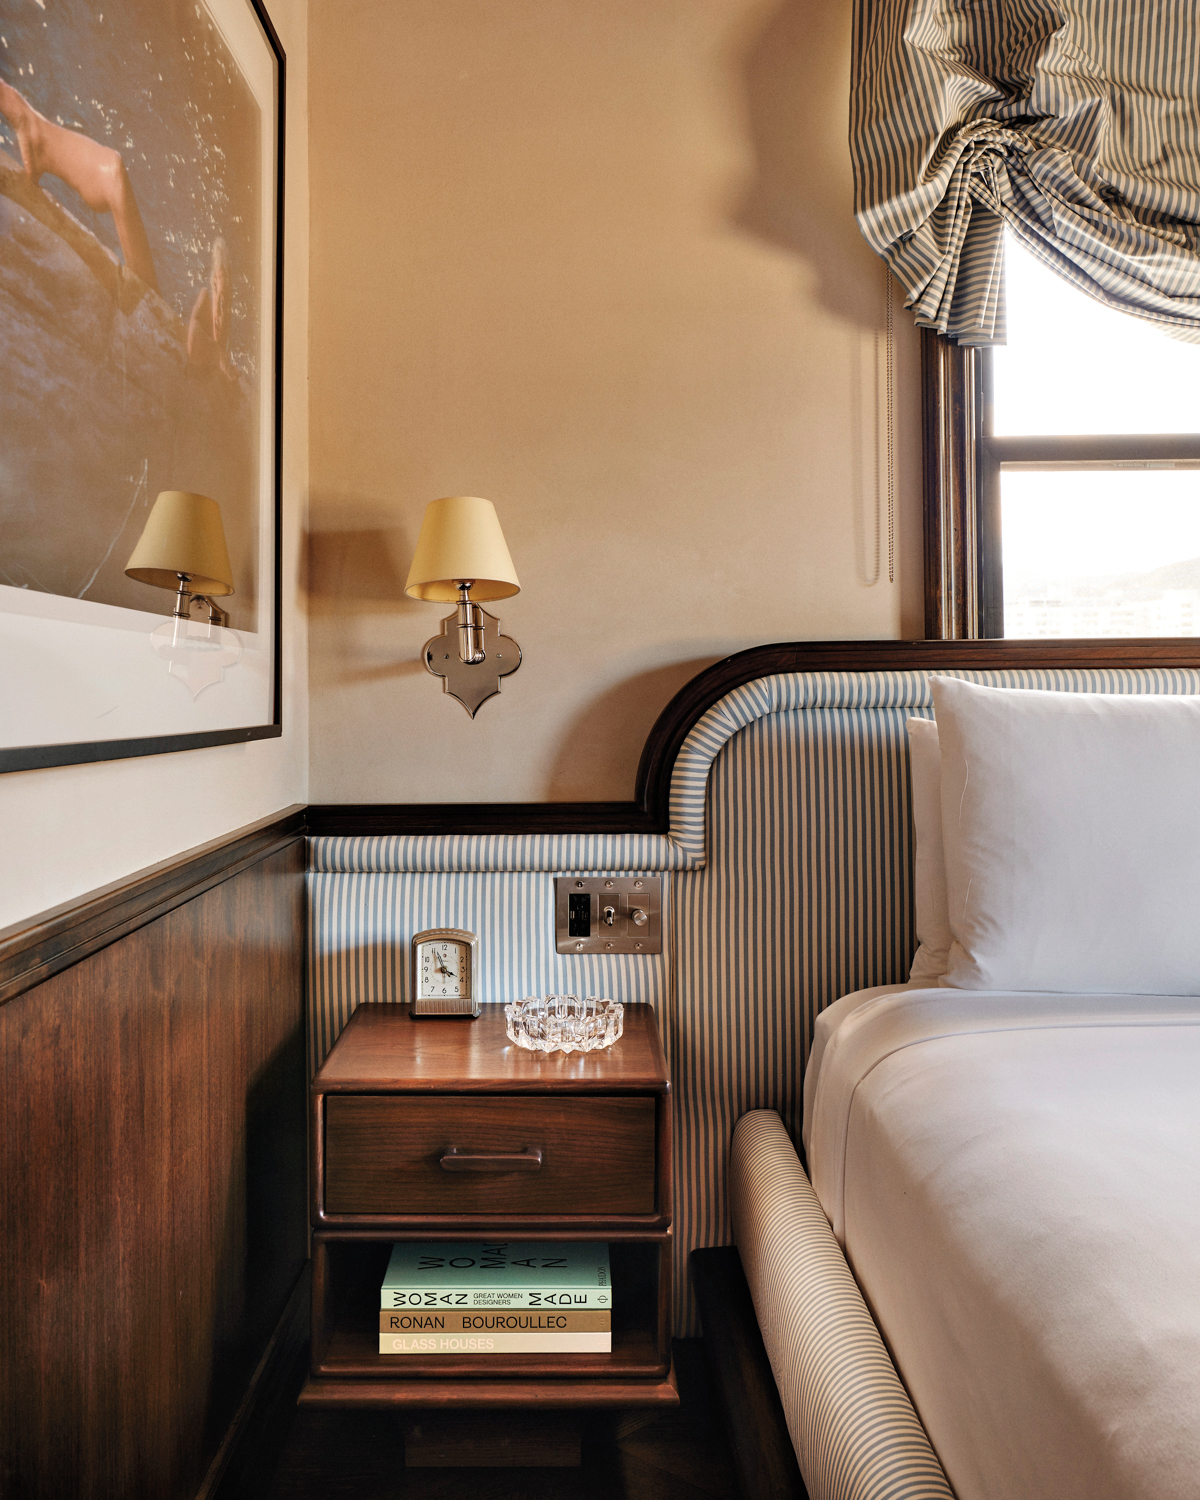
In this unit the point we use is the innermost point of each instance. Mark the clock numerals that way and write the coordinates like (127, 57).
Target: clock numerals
(444, 970)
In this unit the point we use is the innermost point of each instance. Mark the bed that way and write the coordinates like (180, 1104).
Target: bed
(991, 1287)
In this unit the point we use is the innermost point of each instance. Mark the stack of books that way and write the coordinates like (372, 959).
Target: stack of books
(496, 1299)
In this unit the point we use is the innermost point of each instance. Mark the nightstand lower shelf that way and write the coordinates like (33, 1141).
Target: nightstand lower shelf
(347, 1274)
(559, 1394)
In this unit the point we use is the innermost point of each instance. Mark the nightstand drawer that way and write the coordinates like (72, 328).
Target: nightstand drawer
(455, 1154)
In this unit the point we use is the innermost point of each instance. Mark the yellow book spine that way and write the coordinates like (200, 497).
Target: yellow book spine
(520, 1320)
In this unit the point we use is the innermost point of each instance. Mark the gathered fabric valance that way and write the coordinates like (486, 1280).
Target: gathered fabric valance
(1076, 123)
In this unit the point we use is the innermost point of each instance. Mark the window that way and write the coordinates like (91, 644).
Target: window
(1063, 472)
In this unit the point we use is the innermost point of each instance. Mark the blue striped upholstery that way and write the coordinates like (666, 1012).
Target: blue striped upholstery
(854, 1429)
(786, 884)
(361, 925)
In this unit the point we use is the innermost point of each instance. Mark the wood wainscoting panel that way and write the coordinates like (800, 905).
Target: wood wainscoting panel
(152, 1154)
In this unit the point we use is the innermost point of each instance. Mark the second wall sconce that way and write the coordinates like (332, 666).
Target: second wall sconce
(462, 557)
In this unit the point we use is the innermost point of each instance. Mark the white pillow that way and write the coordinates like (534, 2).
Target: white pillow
(932, 957)
(1071, 829)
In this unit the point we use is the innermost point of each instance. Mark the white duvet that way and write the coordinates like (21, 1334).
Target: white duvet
(1015, 1180)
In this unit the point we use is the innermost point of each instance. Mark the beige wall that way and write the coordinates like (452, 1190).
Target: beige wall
(69, 830)
(597, 262)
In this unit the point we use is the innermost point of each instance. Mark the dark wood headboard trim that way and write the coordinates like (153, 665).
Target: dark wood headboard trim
(33, 951)
(372, 819)
(649, 812)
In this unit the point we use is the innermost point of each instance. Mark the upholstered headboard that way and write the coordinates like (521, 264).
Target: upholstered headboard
(776, 805)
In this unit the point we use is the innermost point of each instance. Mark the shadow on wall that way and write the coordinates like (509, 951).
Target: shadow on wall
(355, 580)
(797, 77)
(612, 730)
(359, 572)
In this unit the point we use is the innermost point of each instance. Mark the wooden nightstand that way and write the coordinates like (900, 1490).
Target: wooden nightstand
(394, 1099)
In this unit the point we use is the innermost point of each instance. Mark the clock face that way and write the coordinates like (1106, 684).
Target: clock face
(443, 970)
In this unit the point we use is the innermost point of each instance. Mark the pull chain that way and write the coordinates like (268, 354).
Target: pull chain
(890, 363)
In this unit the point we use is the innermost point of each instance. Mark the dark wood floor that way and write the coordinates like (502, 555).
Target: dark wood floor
(679, 1455)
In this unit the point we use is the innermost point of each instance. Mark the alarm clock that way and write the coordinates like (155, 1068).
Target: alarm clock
(444, 972)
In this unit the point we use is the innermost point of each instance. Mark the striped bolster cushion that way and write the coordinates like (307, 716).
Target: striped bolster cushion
(855, 1432)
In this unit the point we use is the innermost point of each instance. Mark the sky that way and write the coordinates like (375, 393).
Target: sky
(1073, 365)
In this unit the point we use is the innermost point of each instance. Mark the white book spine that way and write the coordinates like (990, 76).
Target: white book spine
(495, 1343)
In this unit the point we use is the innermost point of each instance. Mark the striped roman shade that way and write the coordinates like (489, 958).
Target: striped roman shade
(1074, 122)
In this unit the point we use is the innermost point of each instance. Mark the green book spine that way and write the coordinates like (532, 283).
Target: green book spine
(484, 1297)
(478, 1274)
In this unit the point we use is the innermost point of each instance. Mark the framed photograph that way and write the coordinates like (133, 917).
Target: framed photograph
(141, 280)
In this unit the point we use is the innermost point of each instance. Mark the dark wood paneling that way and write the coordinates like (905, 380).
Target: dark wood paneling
(255, 1439)
(650, 812)
(152, 1150)
(33, 951)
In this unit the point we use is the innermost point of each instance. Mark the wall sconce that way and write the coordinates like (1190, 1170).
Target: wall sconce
(461, 553)
(182, 548)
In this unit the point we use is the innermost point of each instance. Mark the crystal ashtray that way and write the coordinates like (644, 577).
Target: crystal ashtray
(564, 1023)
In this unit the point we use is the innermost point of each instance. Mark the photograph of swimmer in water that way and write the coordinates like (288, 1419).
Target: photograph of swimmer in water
(97, 173)
(134, 293)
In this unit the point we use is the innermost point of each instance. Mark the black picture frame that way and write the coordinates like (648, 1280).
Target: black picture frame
(250, 18)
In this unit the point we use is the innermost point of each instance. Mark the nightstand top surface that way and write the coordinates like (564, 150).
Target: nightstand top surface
(382, 1048)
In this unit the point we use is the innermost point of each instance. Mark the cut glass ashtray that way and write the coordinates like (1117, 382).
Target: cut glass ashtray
(564, 1023)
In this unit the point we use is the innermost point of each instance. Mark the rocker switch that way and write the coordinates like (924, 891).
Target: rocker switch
(579, 916)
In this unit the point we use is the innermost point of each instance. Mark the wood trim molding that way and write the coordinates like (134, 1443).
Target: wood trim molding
(33, 951)
(432, 819)
(650, 811)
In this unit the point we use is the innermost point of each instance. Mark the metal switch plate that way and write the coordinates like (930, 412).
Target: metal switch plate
(608, 913)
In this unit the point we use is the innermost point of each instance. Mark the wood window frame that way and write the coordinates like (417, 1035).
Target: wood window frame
(964, 580)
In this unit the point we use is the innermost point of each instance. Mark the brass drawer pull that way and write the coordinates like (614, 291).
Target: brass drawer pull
(529, 1160)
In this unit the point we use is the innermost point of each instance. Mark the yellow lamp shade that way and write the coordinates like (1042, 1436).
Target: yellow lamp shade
(461, 539)
(183, 534)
